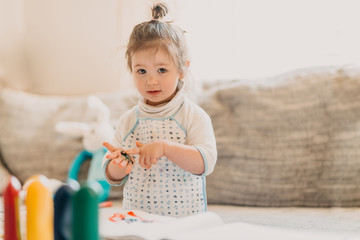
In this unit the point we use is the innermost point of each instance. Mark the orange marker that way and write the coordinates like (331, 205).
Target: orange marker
(105, 204)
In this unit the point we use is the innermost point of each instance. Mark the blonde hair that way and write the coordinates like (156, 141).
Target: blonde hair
(157, 34)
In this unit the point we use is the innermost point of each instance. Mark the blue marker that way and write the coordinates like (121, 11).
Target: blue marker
(63, 210)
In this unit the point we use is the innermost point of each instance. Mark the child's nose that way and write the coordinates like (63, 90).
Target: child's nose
(152, 80)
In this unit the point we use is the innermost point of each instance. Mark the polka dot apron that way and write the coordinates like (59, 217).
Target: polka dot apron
(165, 188)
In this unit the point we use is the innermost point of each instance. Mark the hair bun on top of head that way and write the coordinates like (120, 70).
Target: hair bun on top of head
(159, 11)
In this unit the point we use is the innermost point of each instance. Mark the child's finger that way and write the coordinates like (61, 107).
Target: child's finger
(116, 161)
(138, 144)
(109, 147)
(119, 162)
(154, 160)
(141, 161)
(147, 161)
(133, 151)
(128, 168)
(113, 155)
(123, 164)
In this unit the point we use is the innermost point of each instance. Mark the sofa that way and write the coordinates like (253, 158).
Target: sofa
(288, 146)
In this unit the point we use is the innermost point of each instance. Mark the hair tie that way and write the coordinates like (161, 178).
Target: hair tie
(154, 20)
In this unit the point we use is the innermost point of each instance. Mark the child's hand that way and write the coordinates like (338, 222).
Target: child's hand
(149, 153)
(118, 158)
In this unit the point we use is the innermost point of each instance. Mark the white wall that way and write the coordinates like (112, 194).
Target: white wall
(72, 45)
(77, 46)
(66, 47)
(232, 39)
(12, 58)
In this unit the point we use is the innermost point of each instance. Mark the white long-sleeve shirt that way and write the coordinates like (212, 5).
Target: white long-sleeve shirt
(179, 120)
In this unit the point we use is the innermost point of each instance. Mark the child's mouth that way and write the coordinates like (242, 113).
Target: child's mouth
(155, 92)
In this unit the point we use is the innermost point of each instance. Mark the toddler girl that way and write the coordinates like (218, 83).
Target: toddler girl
(171, 138)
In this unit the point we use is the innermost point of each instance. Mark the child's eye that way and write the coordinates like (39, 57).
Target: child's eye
(162, 70)
(141, 71)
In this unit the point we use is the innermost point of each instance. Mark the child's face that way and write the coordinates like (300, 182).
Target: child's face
(156, 75)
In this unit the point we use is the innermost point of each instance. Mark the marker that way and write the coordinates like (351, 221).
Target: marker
(85, 211)
(63, 210)
(40, 209)
(11, 207)
(105, 204)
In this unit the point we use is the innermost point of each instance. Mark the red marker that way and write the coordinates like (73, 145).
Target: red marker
(11, 206)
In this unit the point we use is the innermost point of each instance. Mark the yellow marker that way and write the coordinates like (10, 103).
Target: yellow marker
(40, 209)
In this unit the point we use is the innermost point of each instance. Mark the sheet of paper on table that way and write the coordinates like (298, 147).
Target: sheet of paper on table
(142, 225)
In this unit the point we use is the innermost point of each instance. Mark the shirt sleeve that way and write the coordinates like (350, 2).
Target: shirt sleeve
(200, 134)
(123, 126)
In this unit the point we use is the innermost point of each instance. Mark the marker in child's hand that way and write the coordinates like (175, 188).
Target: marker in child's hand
(128, 161)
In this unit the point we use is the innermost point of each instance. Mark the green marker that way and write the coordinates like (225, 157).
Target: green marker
(85, 211)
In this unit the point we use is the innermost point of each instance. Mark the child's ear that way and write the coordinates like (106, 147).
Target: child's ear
(187, 65)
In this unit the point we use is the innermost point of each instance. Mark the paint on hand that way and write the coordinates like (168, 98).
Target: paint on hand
(130, 161)
(128, 157)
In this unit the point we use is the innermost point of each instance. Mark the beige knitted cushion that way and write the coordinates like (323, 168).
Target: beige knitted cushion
(293, 142)
(28, 141)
